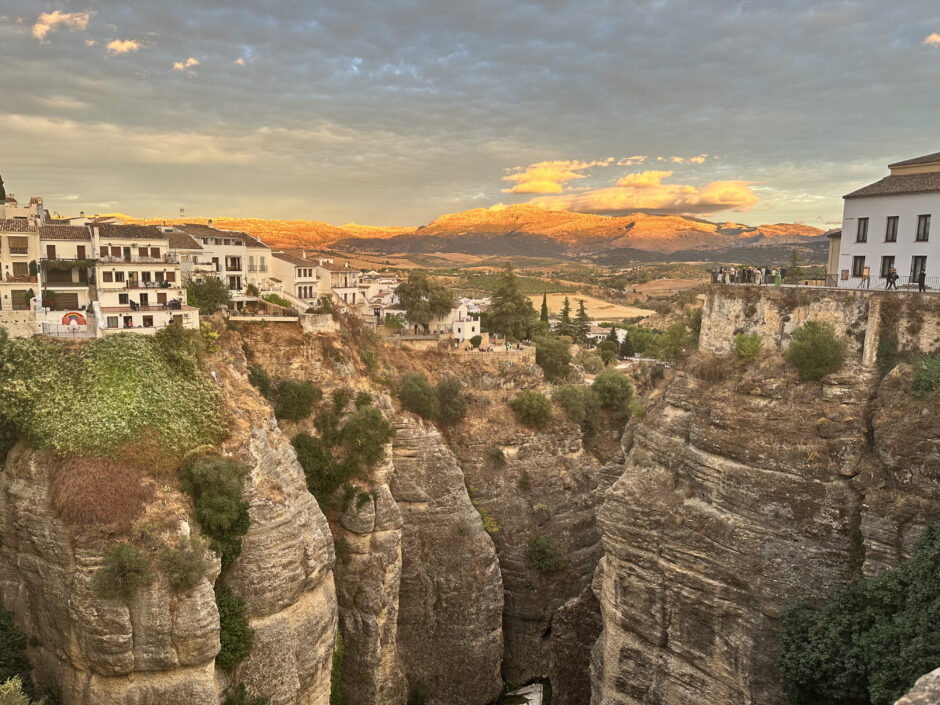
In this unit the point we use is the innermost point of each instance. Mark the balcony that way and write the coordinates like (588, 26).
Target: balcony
(252, 268)
(19, 250)
(20, 279)
(137, 259)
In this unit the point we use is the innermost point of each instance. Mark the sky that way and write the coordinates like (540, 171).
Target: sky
(396, 111)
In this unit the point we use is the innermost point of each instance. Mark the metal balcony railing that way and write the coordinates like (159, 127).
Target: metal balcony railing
(137, 259)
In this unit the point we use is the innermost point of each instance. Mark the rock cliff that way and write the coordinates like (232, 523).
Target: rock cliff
(738, 498)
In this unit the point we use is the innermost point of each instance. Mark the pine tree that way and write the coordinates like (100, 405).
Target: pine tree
(626, 346)
(793, 268)
(612, 335)
(511, 312)
(582, 323)
(543, 316)
(3, 191)
(564, 321)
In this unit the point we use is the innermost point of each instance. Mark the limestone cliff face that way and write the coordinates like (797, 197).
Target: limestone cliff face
(925, 692)
(451, 596)
(160, 648)
(737, 499)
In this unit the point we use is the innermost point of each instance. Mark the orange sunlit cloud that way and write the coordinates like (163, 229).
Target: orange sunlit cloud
(646, 191)
(549, 177)
(932, 39)
(122, 46)
(183, 65)
(51, 21)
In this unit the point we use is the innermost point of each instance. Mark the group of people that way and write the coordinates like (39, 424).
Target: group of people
(750, 275)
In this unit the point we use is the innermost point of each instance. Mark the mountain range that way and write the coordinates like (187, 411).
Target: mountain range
(529, 230)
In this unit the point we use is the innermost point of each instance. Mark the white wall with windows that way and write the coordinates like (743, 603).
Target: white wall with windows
(900, 231)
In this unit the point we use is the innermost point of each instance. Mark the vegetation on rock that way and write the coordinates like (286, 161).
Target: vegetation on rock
(235, 633)
(125, 570)
(208, 295)
(581, 405)
(531, 408)
(926, 376)
(554, 357)
(185, 565)
(451, 401)
(295, 399)
(261, 381)
(872, 640)
(815, 350)
(336, 675)
(747, 346)
(543, 555)
(423, 299)
(418, 396)
(239, 696)
(614, 391)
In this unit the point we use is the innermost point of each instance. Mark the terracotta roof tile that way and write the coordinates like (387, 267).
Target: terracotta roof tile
(899, 183)
(64, 232)
(926, 159)
(130, 232)
(199, 230)
(182, 241)
(16, 225)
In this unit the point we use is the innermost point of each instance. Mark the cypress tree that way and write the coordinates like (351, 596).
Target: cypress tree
(582, 324)
(543, 316)
(564, 322)
(3, 191)
(626, 346)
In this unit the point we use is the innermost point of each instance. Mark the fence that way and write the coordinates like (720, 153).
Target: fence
(57, 330)
(835, 281)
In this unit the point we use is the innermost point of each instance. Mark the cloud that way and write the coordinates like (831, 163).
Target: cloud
(548, 177)
(631, 161)
(51, 21)
(122, 46)
(646, 191)
(90, 42)
(240, 61)
(933, 39)
(183, 65)
(700, 159)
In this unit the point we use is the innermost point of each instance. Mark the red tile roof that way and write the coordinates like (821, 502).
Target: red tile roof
(64, 232)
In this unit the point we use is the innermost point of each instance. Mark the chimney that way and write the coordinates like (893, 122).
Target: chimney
(304, 254)
(209, 222)
(81, 214)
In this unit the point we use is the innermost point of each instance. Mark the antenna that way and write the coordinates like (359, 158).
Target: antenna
(182, 210)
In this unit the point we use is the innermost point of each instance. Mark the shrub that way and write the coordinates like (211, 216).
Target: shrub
(11, 693)
(926, 376)
(365, 434)
(747, 346)
(887, 356)
(815, 350)
(363, 399)
(451, 401)
(871, 640)
(235, 633)
(215, 484)
(554, 357)
(418, 396)
(295, 399)
(614, 391)
(276, 300)
(589, 361)
(323, 474)
(260, 380)
(185, 565)
(476, 341)
(238, 696)
(208, 295)
(13, 659)
(336, 675)
(608, 351)
(124, 572)
(251, 290)
(495, 455)
(542, 554)
(581, 405)
(531, 408)
(419, 695)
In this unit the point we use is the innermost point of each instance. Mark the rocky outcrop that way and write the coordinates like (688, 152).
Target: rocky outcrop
(451, 595)
(738, 499)
(926, 691)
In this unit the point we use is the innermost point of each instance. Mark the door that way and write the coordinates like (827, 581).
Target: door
(50, 251)
(918, 264)
(144, 299)
(79, 252)
(127, 254)
(161, 298)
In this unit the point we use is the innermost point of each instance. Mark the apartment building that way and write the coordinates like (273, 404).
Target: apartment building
(138, 281)
(887, 225)
(66, 268)
(298, 276)
(238, 258)
(19, 256)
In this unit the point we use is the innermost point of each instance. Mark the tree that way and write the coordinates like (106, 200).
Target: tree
(208, 295)
(531, 408)
(608, 351)
(423, 299)
(815, 350)
(543, 316)
(564, 321)
(418, 396)
(612, 336)
(582, 323)
(553, 356)
(511, 312)
(3, 191)
(793, 268)
(614, 391)
(626, 346)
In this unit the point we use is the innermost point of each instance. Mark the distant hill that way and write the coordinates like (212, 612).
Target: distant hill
(533, 231)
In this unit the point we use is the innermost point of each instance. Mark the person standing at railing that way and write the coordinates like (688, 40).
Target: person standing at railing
(922, 280)
(892, 279)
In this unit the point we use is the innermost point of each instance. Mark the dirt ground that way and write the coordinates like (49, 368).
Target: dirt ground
(598, 309)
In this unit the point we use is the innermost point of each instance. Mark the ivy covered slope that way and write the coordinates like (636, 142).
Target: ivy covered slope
(115, 531)
(95, 398)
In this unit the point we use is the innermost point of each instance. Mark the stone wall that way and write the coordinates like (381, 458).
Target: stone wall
(19, 324)
(861, 316)
(318, 323)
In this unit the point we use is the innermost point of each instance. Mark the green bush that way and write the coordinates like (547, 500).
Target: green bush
(871, 640)
(815, 350)
(276, 300)
(591, 362)
(419, 695)
(543, 555)
(251, 290)
(417, 395)
(125, 570)
(476, 340)
(208, 295)
(531, 408)
(92, 399)
(239, 696)
(608, 351)
(887, 356)
(215, 484)
(747, 346)
(323, 474)
(495, 455)
(295, 399)
(363, 399)
(581, 405)
(336, 675)
(554, 357)
(235, 633)
(451, 401)
(260, 380)
(645, 341)
(185, 565)
(365, 434)
(614, 391)
(13, 659)
(926, 376)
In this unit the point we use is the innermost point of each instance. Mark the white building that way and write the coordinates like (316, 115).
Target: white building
(238, 258)
(298, 276)
(887, 224)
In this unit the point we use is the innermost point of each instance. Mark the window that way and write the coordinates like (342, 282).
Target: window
(918, 264)
(887, 264)
(112, 321)
(103, 250)
(923, 228)
(170, 276)
(122, 299)
(148, 321)
(119, 277)
(50, 251)
(861, 235)
(155, 252)
(80, 252)
(115, 251)
(142, 251)
(891, 229)
(18, 245)
(20, 269)
(107, 277)
(858, 266)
